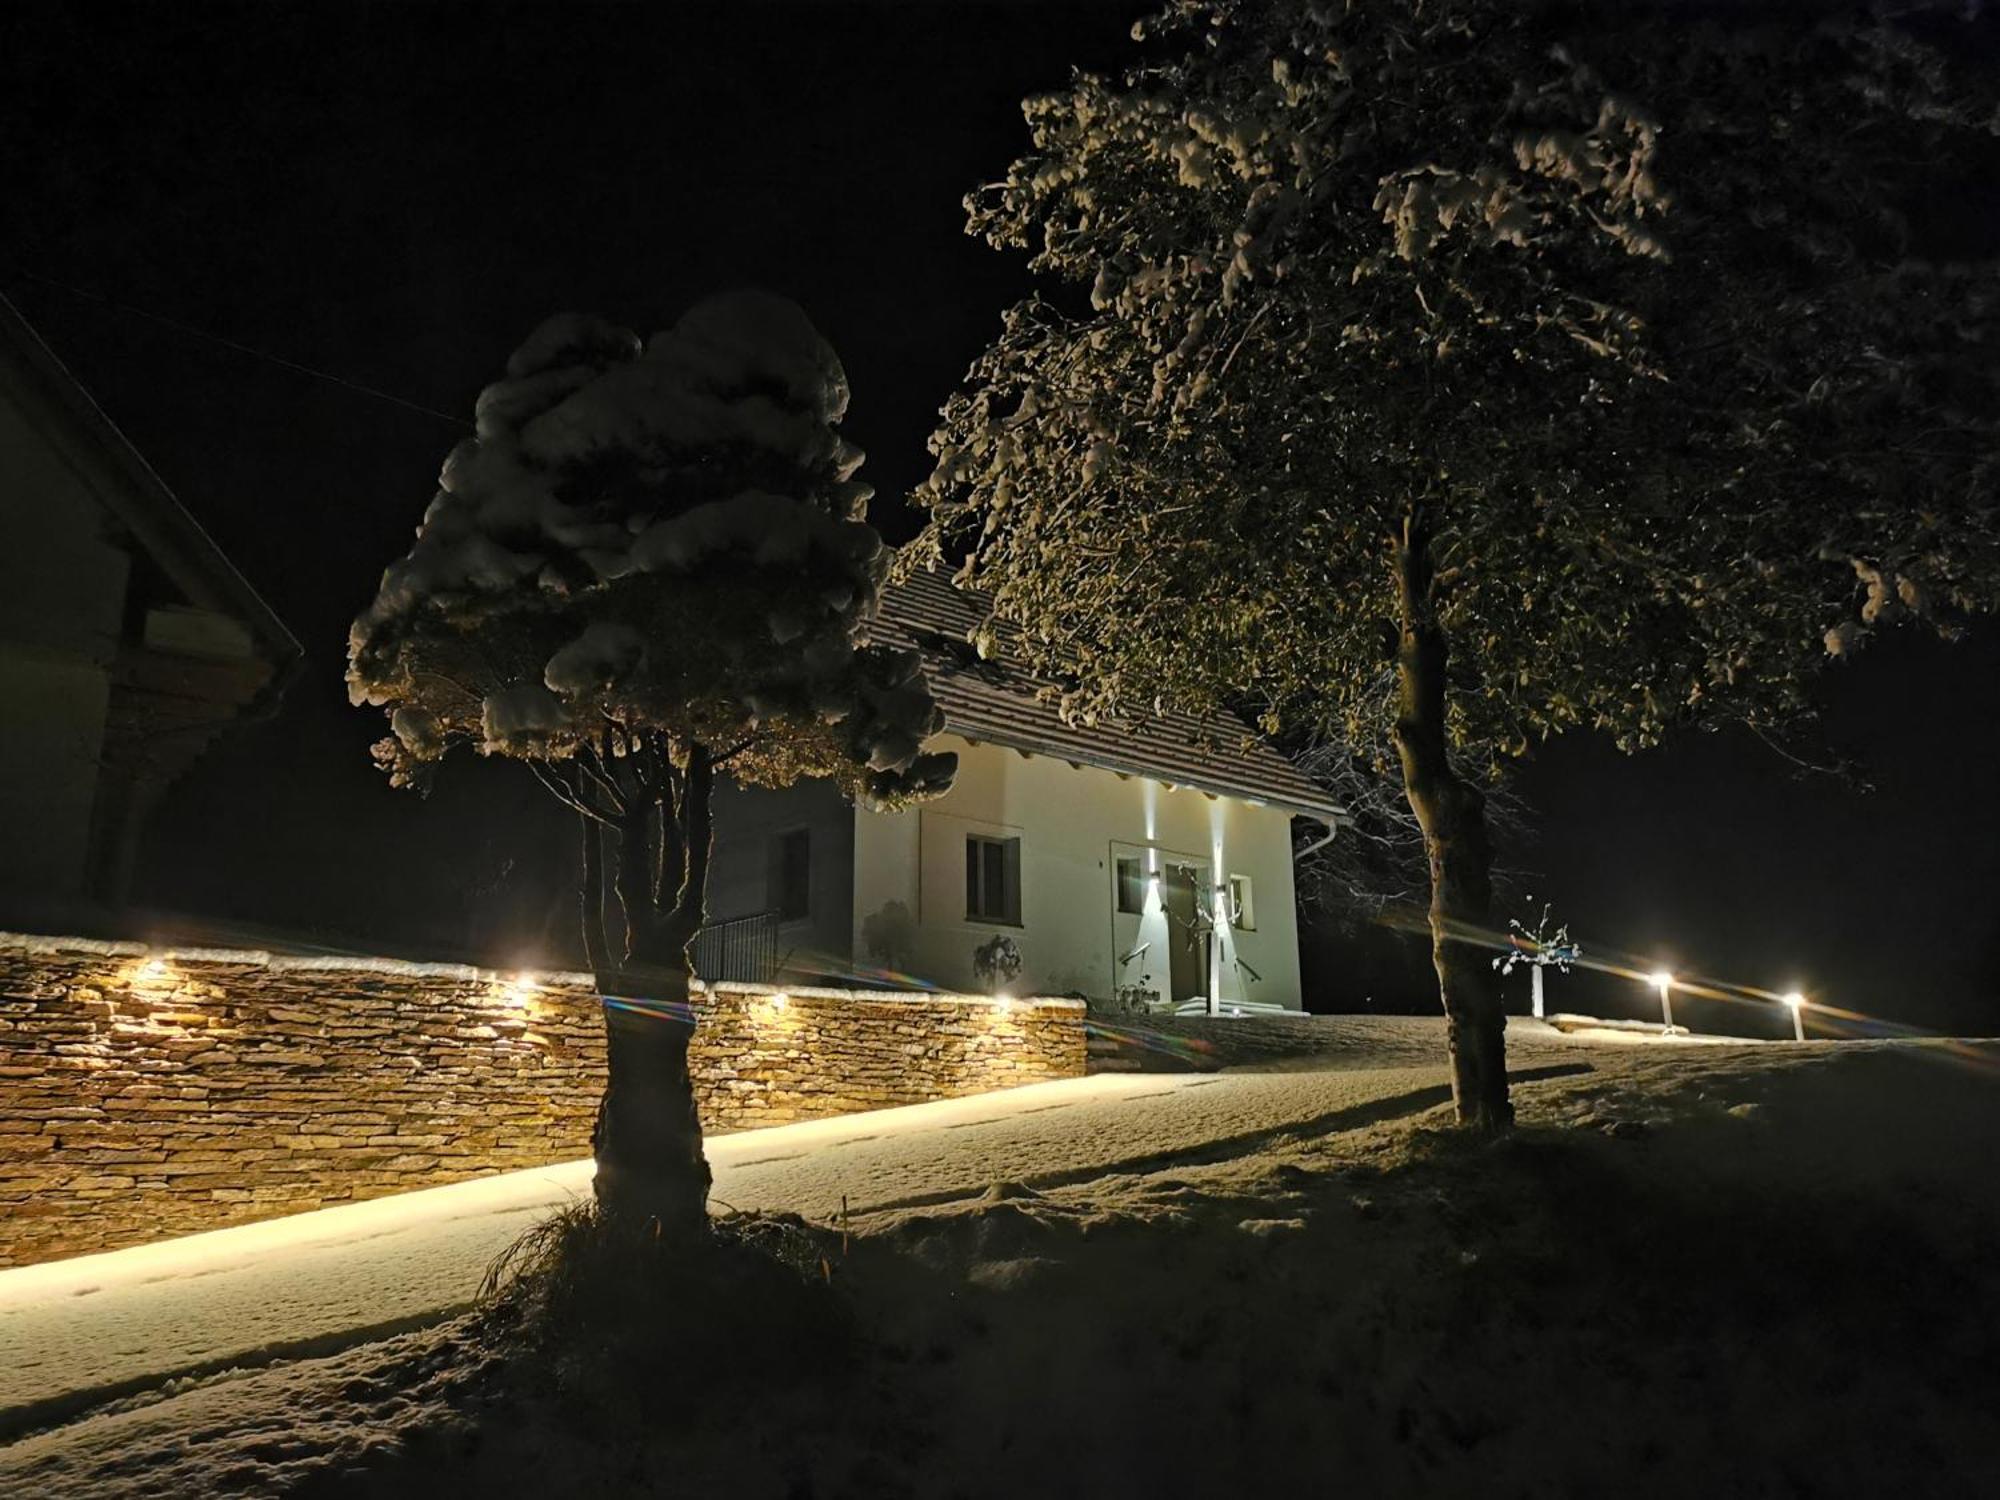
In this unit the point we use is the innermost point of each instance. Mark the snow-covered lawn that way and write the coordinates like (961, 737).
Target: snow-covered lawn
(81, 1331)
(1746, 1269)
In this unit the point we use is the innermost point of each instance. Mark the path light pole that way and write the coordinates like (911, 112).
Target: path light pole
(1664, 983)
(1796, 1004)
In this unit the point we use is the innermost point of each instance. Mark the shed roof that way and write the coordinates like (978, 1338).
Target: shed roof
(995, 700)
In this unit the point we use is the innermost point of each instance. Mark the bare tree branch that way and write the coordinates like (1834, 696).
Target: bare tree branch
(563, 793)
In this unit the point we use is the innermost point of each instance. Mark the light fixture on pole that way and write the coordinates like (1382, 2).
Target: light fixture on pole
(1796, 1004)
(1664, 983)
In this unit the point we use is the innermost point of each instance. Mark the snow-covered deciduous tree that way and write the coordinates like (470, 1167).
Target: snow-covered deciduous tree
(1375, 871)
(1445, 376)
(649, 567)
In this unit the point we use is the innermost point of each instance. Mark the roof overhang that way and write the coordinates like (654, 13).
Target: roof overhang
(136, 496)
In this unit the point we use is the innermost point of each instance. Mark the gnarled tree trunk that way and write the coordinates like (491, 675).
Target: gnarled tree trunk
(647, 1138)
(1452, 814)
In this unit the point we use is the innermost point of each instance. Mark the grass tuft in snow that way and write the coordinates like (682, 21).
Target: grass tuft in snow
(619, 1323)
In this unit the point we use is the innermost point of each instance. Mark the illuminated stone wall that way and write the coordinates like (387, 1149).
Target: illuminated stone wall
(143, 1097)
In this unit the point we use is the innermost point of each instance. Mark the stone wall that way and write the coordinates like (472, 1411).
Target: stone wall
(143, 1095)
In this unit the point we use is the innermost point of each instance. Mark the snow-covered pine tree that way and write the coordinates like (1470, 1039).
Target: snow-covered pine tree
(1440, 377)
(651, 566)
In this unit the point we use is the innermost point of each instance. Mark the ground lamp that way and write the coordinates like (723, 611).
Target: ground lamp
(1796, 1004)
(1664, 983)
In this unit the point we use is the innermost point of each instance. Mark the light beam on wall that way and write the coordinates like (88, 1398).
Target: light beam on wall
(520, 990)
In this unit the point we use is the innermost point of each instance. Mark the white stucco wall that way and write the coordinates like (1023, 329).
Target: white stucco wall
(1072, 823)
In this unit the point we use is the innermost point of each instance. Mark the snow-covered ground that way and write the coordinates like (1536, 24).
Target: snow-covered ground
(79, 1331)
(1684, 1271)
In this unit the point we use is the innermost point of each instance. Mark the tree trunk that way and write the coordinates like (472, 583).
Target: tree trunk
(1452, 814)
(637, 882)
(647, 1139)
(696, 843)
(596, 952)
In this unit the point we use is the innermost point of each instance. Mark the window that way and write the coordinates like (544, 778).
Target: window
(1131, 886)
(789, 887)
(992, 880)
(1242, 909)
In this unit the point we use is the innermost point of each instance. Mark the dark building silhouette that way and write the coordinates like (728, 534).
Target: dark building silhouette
(127, 642)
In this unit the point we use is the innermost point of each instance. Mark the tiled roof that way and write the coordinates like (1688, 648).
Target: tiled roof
(994, 701)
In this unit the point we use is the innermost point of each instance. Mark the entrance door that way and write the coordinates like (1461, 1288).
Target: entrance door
(1186, 965)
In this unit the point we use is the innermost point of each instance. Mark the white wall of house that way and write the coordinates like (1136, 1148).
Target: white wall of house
(1073, 823)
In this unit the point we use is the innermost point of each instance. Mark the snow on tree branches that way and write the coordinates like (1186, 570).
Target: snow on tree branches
(663, 538)
(1587, 289)
(1442, 377)
(648, 566)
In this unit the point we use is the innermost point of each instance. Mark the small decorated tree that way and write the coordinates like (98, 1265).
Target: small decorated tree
(1540, 948)
(650, 567)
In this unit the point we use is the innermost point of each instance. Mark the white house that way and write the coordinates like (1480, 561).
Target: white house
(1147, 860)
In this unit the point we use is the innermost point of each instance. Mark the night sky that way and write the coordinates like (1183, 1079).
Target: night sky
(396, 194)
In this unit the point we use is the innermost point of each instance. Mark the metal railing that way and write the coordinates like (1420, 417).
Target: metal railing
(742, 948)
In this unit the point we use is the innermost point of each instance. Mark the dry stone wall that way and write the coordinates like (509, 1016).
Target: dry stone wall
(143, 1095)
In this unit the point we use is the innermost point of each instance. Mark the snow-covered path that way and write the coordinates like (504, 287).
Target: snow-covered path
(80, 1332)
(1676, 1226)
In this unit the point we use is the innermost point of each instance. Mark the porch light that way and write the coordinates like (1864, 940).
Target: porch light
(519, 990)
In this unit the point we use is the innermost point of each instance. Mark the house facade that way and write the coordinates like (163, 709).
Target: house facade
(1146, 864)
(127, 640)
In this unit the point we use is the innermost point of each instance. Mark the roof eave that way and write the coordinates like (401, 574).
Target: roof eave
(1296, 806)
(153, 512)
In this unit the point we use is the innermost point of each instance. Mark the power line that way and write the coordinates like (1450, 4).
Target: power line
(241, 348)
